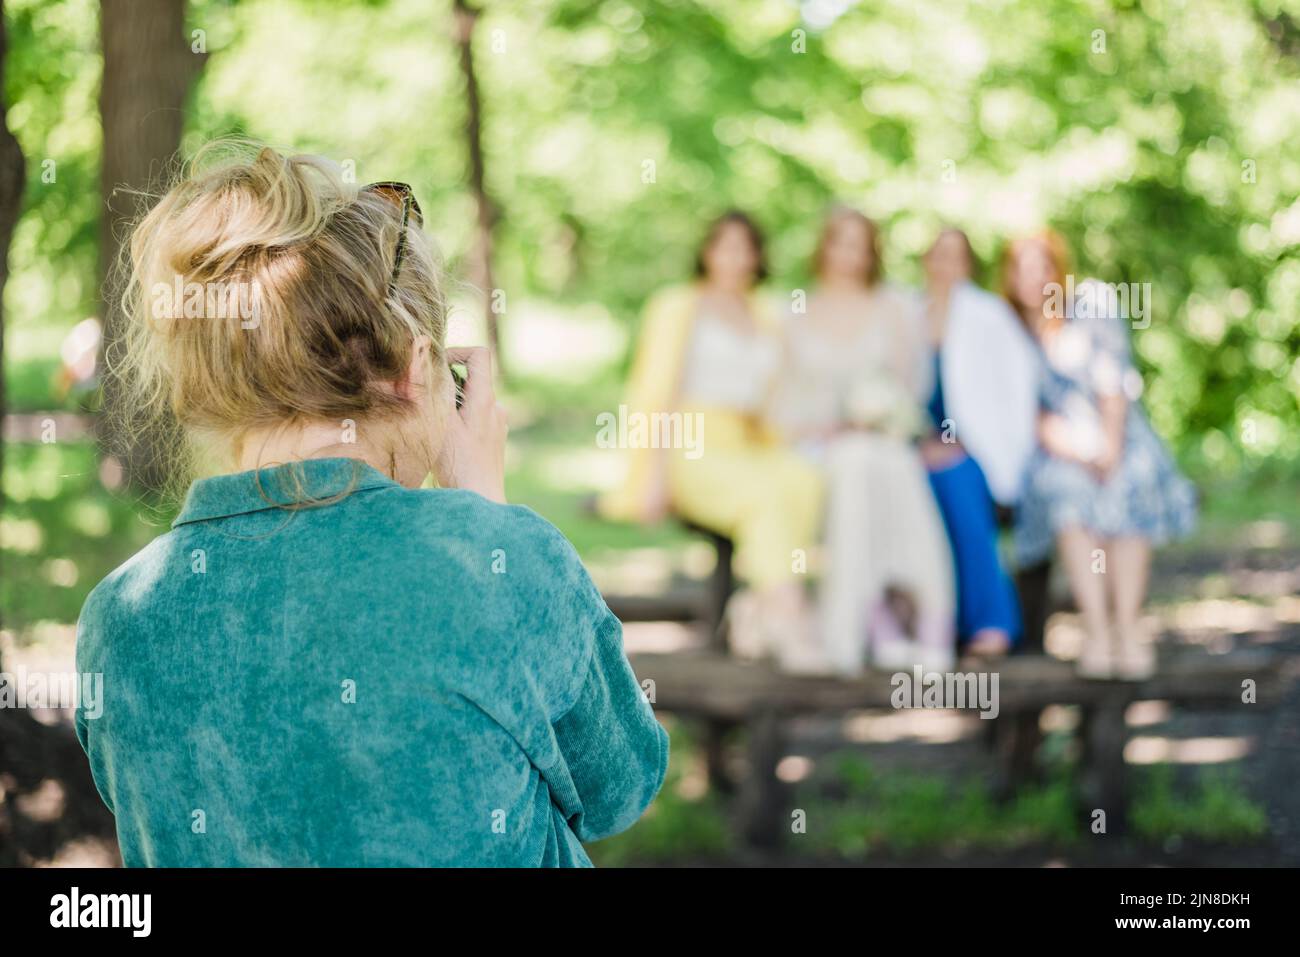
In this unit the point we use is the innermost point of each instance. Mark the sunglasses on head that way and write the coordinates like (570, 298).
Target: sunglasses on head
(401, 196)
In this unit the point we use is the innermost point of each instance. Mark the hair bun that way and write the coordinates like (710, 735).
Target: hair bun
(239, 212)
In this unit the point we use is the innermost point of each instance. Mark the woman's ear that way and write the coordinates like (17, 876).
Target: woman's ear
(416, 377)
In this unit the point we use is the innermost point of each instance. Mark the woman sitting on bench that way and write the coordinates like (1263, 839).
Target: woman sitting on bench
(982, 411)
(851, 402)
(710, 351)
(1101, 487)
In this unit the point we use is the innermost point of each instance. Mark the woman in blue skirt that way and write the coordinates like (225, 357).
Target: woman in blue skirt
(982, 408)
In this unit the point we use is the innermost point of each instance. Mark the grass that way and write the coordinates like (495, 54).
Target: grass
(854, 811)
(1214, 809)
(903, 811)
(906, 812)
(62, 531)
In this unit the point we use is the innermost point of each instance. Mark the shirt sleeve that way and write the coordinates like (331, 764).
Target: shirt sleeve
(615, 749)
(80, 722)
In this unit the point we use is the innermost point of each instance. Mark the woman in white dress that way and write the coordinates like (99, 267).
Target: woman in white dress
(857, 370)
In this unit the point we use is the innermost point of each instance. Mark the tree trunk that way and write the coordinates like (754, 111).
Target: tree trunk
(13, 174)
(466, 18)
(148, 70)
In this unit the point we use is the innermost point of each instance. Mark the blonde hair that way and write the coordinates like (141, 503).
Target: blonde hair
(297, 262)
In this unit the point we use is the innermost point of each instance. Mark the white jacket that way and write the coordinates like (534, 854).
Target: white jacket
(991, 373)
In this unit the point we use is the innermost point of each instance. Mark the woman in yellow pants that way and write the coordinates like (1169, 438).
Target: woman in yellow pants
(707, 360)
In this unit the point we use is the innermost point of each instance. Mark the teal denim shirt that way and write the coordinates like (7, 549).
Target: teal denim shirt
(397, 678)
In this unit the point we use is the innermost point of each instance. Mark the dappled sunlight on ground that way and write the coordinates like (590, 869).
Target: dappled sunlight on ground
(916, 724)
(649, 571)
(46, 646)
(794, 768)
(580, 470)
(1147, 749)
(1142, 714)
(640, 571)
(660, 636)
(47, 803)
(1209, 621)
(1266, 533)
(693, 784)
(85, 852)
(563, 343)
(1058, 718)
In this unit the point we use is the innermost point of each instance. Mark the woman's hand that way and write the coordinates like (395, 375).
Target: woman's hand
(938, 454)
(1114, 411)
(476, 432)
(1056, 436)
(1105, 461)
(1058, 440)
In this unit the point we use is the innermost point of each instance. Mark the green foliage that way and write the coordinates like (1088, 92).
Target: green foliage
(51, 82)
(1155, 135)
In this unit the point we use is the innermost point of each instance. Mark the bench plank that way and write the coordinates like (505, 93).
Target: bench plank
(709, 685)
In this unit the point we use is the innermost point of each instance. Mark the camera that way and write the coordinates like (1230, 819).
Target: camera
(458, 375)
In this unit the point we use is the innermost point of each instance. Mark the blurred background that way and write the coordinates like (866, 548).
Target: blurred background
(567, 155)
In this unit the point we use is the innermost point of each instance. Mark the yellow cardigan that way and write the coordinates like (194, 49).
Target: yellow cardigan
(655, 377)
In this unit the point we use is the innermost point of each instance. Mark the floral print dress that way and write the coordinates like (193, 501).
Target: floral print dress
(1145, 495)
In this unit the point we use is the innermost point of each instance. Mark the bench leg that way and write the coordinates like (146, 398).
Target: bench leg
(1105, 787)
(721, 584)
(1016, 738)
(715, 756)
(1033, 587)
(762, 796)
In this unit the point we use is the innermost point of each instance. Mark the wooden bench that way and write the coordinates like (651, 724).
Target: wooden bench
(728, 694)
(708, 606)
(1017, 741)
(720, 587)
(725, 691)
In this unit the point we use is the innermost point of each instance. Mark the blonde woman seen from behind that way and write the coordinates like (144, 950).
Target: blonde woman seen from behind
(324, 661)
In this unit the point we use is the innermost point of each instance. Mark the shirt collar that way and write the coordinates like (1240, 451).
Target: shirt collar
(277, 486)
